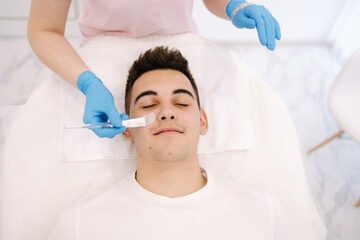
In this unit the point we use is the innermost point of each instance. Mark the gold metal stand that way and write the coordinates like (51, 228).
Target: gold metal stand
(326, 141)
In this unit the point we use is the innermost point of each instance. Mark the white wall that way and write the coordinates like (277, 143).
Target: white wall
(14, 15)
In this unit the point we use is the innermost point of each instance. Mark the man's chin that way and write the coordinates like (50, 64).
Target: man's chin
(168, 152)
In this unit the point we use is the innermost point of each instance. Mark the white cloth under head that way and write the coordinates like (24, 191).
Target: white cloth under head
(221, 76)
(220, 210)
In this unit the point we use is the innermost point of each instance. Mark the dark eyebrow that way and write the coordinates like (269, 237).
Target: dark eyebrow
(150, 92)
(177, 91)
(143, 94)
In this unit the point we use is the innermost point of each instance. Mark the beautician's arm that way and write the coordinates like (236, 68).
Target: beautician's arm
(46, 36)
(217, 7)
(46, 29)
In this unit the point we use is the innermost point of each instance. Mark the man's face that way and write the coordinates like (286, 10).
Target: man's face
(178, 120)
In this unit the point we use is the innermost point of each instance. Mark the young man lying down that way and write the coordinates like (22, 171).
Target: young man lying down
(170, 196)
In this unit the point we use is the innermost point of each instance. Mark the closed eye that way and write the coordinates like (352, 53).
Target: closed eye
(180, 104)
(149, 106)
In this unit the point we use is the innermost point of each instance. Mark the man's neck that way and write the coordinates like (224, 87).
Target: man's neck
(170, 180)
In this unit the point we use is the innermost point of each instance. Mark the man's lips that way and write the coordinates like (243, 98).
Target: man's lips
(168, 131)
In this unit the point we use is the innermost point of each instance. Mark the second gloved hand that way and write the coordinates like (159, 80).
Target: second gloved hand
(252, 16)
(100, 105)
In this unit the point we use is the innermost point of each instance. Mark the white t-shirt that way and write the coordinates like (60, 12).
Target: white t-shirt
(220, 210)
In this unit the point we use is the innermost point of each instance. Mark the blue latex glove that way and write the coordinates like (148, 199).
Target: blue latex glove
(100, 105)
(257, 16)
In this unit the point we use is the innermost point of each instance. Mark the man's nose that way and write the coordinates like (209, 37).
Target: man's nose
(166, 117)
(166, 114)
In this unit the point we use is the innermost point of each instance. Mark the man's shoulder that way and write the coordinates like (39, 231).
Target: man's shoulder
(104, 195)
(92, 206)
(244, 199)
(233, 189)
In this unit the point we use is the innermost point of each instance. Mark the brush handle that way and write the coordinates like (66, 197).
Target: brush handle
(131, 123)
(90, 126)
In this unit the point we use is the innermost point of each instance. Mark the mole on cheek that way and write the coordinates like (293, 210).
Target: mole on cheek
(149, 148)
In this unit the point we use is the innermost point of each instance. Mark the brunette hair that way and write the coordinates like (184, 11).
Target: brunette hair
(158, 58)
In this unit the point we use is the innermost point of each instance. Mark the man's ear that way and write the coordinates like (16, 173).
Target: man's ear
(204, 125)
(127, 135)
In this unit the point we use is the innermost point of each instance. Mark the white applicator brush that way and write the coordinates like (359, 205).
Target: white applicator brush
(131, 123)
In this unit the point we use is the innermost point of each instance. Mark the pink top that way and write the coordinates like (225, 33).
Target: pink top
(135, 18)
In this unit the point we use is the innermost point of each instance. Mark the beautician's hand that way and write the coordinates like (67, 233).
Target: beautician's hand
(100, 105)
(252, 16)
